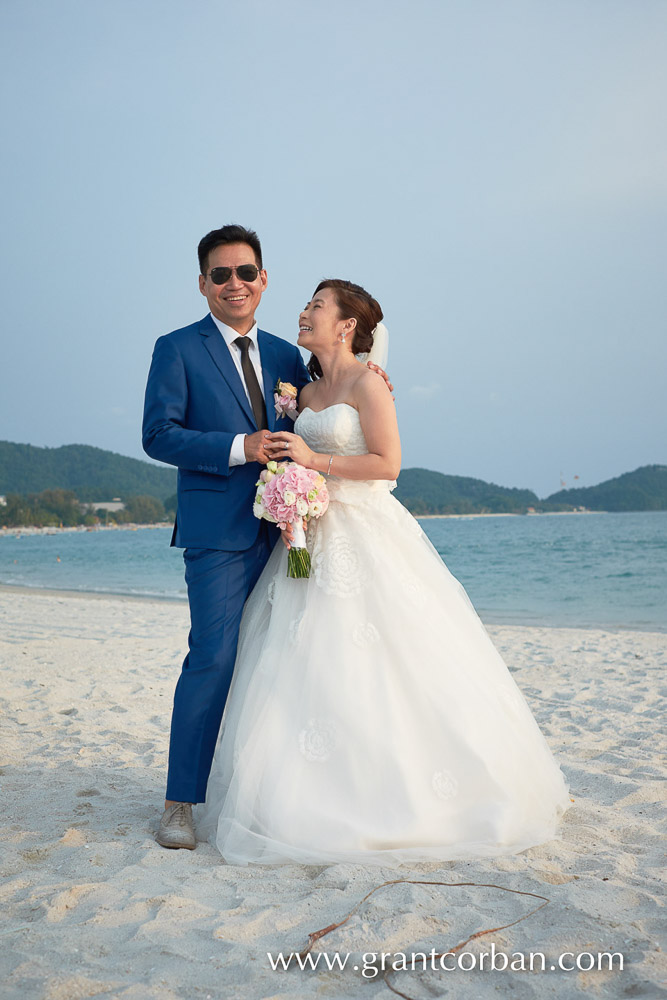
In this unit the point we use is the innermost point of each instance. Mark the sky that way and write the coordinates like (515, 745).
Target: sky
(495, 174)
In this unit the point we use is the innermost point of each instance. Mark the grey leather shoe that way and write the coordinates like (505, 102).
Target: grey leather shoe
(176, 827)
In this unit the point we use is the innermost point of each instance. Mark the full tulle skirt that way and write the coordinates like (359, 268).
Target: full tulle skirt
(370, 717)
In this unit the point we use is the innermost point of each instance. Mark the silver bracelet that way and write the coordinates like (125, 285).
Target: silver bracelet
(329, 469)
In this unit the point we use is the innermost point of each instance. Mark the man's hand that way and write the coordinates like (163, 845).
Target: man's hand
(254, 447)
(282, 444)
(380, 371)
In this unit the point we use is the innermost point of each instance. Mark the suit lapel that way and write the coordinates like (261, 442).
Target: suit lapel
(217, 348)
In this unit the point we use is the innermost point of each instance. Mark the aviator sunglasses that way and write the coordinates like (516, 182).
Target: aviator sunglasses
(221, 275)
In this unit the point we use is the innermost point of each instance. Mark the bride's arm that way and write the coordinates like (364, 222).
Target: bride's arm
(377, 414)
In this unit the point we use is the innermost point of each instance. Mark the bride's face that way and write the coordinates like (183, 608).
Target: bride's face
(320, 323)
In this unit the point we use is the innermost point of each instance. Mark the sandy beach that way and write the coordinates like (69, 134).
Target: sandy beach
(93, 907)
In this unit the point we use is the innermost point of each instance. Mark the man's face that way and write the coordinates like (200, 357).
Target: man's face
(235, 302)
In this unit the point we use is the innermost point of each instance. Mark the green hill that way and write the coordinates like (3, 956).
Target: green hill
(426, 492)
(91, 473)
(643, 489)
(96, 474)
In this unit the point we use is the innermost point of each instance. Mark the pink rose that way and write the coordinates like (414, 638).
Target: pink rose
(285, 514)
(284, 404)
(287, 490)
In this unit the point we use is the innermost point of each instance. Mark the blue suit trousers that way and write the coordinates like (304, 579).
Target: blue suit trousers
(218, 585)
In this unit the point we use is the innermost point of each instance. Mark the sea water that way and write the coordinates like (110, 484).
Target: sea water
(580, 570)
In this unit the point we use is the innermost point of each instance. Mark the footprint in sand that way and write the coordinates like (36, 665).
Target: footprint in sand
(63, 902)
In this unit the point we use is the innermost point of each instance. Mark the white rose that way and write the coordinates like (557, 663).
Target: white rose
(315, 509)
(260, 489)
(272, 466)
(269, 474)
(258, 510)
(289, 496)
(302, 507)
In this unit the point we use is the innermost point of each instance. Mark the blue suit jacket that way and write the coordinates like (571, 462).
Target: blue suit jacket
(195, 405)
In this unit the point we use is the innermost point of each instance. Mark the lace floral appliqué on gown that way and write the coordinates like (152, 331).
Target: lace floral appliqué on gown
(370, 717)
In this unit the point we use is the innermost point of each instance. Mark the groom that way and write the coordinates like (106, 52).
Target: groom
(208, 410)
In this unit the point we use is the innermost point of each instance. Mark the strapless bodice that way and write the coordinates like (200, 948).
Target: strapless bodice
(337, 430)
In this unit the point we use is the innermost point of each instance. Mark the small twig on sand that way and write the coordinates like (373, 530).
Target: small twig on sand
(317, 935)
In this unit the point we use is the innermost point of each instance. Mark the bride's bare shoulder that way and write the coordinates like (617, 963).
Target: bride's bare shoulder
(307, 395)
(370, 385)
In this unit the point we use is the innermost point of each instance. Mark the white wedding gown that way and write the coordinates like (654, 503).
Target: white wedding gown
(370, 717)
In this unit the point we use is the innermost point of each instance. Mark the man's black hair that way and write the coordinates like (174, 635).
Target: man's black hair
(228, 234)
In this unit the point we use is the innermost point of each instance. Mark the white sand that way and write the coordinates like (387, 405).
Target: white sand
(92, 906)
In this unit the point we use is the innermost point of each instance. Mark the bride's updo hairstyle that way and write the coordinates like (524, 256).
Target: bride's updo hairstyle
(353, 302)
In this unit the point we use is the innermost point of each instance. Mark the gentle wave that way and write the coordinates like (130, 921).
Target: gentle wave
(592, 570)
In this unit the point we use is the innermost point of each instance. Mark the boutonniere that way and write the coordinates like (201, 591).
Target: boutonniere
(284, 397)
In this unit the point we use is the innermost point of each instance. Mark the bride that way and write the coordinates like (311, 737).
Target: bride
(370, 717)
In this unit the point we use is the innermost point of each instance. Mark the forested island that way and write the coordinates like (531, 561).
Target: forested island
(81, 485)
(90, 473)
(425, 492)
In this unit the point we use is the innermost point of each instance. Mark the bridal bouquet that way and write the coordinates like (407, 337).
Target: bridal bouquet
(286, 494)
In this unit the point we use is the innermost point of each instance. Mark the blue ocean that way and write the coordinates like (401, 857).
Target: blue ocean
(581, 570)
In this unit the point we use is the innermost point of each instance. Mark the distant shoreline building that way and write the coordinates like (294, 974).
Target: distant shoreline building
(111, 505)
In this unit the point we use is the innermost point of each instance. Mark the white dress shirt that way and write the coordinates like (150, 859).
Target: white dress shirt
(237, 451)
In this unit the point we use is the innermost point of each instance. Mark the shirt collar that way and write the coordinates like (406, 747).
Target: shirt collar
(230, 335)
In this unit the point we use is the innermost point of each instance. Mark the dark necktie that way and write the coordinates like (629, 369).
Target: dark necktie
(254, 391)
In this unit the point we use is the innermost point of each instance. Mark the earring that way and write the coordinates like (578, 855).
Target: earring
(342, 337)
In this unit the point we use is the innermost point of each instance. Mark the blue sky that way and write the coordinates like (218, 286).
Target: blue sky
(495, 173)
